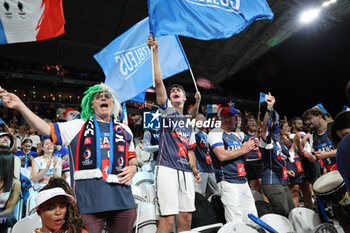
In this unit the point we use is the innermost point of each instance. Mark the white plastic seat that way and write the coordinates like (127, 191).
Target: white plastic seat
(147, 220)
(30, 209)
(27, 224)
(142, 177)
(146, 167)
(278, 222)
(151, 194)
(208, 228)
(17, 210)
(304, 219)
(237, 226)
(138, 194)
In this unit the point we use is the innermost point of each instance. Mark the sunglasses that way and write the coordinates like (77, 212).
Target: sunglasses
(103, 95)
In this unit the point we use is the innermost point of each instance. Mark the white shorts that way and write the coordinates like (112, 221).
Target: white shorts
(174, 191)
(238, 201)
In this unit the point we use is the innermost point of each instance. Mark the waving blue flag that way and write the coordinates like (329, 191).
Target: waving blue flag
(205, 20)
(1, 121)
(262, 97)
(126, 61)
(346, 108)
(322, 108)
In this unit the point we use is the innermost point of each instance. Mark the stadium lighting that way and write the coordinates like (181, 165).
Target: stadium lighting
(327, 3)
(309, 15)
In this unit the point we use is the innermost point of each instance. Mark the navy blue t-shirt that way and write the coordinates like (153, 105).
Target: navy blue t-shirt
(323, 143)
(254, 154)
(175, 139)
(96, 195)
(21, 154)
(202, 152)
(343, 160)
(231, 170)
(274, 164)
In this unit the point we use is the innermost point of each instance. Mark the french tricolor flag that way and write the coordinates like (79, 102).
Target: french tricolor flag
(213, 108)
(30, 20)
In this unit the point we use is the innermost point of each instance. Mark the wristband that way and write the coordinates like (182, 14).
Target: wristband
(193, 166)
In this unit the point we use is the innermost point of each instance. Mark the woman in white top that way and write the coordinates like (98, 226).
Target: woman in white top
(46, 165)
(10, 189)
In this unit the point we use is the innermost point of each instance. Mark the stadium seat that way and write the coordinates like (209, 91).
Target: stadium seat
(147, 220)
(212, 228)
(304, 219)
(278, 222)
(238, 227)
(30, 209)
(27, 224)
(142, 177)
(138, 194)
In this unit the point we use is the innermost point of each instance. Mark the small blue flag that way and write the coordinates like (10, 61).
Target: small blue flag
(262, 98)
(205, 20)
(124, 115)
(1, 121)
(346, 108)
(126, 61)
(322, 108)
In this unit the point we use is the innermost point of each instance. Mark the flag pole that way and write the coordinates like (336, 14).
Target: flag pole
(153, 78)
(194, 81)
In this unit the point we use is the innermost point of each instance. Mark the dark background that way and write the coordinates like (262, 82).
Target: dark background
(309, 68)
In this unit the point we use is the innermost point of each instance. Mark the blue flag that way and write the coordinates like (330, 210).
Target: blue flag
(322, 108)
(262, 98)
(1, 121)
(346, 108)
(139, 98)
(126, 61)
(205, 20)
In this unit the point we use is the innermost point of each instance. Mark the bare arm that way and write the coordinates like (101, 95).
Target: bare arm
(224, 155)
(160, 88)
(36, 175)
(195, 108)
(12, 101)
(11, 202)
(192, 161)
(270, 100)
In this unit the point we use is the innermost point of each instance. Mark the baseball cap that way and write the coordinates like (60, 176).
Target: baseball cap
(47, 194)
(227, 111)
(12, 142)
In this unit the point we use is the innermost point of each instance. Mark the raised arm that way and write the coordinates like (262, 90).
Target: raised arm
(270, 100)
(12, 101)
(160, 88)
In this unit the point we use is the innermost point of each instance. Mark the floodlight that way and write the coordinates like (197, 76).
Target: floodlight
(309, 15)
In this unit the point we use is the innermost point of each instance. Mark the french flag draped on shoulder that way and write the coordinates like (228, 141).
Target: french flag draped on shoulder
(127, 65)
(30, 20)
(205, 19)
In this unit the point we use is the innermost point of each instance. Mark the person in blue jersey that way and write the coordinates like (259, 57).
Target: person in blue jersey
(307, 166)
(253, 164)
(292, 145)
(228, 155)
(151, 143)
(102, 158)
(275, 173)
(208, 185)
(26, 154)
(323, 148)
(176, 162)
(341, 139)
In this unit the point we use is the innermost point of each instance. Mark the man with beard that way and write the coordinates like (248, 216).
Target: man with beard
(322, 146)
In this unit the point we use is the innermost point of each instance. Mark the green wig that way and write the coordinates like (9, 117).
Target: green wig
(87, 110)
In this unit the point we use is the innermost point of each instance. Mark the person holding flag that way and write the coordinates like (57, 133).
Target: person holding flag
(176, 163)
(102, 156)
